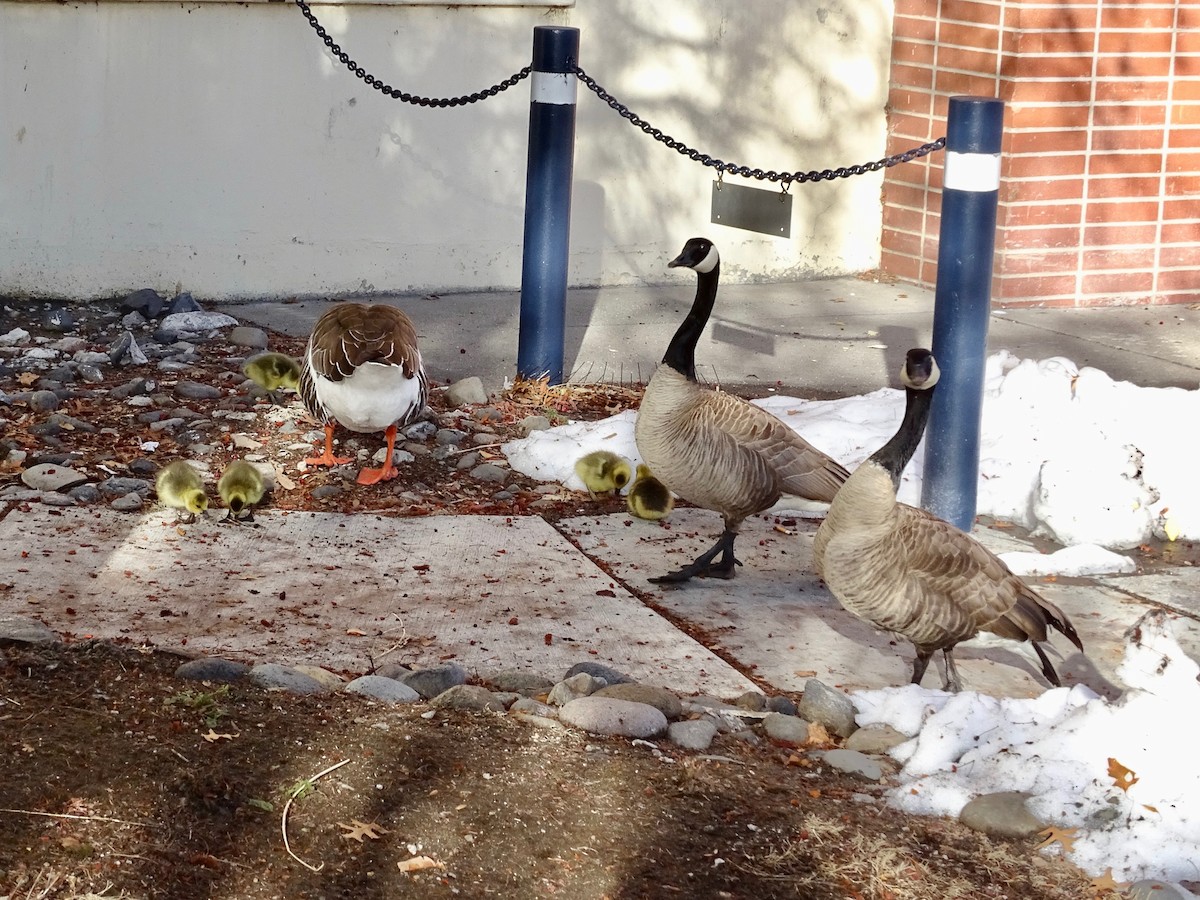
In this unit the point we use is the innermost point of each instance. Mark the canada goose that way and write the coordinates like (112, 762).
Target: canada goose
(272, 371)
(907, 571)
(714, 449)
(648, 498)
(241, 487)
(179, 485)
(603, 472)
(363, 370)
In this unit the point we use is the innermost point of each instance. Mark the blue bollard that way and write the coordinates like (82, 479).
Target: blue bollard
(553, 88)
(962, 301)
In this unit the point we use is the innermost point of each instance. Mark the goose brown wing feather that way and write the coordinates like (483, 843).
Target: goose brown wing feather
(352, 334)
(798, 467)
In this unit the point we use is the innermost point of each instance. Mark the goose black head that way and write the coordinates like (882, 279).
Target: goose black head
(920, 370)
(698, 254)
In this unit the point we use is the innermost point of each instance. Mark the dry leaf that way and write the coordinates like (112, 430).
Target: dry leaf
(283, 481)
(805, 673)
(357, 830)
(1121, 776)
(417, 863)
(1105, 883)
(354, 632)
(27, 378)
(212, 737)
(818, 735)
(1064, 836)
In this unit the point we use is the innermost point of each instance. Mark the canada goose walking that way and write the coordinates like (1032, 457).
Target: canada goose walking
(714, 449)
(179, 485)
(603, 472)
(363, 370)
(272, 371)
(241, 487)
(648, 498)
(907, 571)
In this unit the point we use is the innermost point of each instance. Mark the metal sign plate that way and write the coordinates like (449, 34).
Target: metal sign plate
(752, 209)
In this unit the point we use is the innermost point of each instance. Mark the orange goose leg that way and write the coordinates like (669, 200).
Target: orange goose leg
(327, 458)
(388, 471)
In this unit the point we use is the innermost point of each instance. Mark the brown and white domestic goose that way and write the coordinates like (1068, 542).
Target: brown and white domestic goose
(714, 449)
(905, 570)
(363, 370)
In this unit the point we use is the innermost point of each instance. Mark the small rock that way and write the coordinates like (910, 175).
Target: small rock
(781, 704)
(875, 739)
(466, 392)
(432, 681)
(490, 473)
(828, 707)
(524, 683)
(581, 684)
(212, 668)
(273, 676)
(399, 457)
(418, 431)
(531, 707)
(133, 320)
(379, 687)
(1002, 814)
(85, 493)
(59, 320)
(50, 477)
(450, 437)
(131, 502)
(751, 700)
(196, 321)
(530, 424)
(90, 373)
(326, 491)
(468, 460)
(391, 670)
(14, 337)
(183, 303)
(854, 763)
(599, 670)
(136, 387)
(43, 401)
(468, 696)
(605, 715)
(246, 336)
(146, 301)
(693, 734)
(51, 498)
(488, 414)
(193, 390)
(118, 486)
(28, 631)
(323, 677)
(660, 698)
(789, 729)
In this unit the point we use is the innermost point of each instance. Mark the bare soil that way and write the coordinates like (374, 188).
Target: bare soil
(123, 781)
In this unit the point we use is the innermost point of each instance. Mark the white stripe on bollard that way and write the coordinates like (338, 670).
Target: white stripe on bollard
(558, 88)
(976, 172)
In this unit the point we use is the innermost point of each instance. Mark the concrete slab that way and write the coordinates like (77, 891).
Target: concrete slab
(1178, 589)
(343, 591)
(776, 620)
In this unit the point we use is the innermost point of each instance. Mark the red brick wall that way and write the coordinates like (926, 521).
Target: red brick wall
(1100, 189)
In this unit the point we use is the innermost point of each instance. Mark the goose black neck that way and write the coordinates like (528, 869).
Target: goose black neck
(681, 352)
(896, 453)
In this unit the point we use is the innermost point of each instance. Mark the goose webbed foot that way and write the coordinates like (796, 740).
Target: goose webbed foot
(704, 565)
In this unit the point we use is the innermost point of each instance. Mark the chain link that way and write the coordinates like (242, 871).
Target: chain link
(734, 169)
(395, 93)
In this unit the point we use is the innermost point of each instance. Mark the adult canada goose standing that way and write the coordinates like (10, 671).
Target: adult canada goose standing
(179, 485)
(648, 498)
(603, 472)
(714, 449)
(241, 487)
(363, 370)
(905, 570)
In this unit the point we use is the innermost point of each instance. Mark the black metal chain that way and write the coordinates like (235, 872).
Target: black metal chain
(395, 93)
(734, 169)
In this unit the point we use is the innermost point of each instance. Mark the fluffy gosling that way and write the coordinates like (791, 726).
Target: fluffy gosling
(272, 371)
(603, 472)
(241, 488)
(179, 485)
(648, 498)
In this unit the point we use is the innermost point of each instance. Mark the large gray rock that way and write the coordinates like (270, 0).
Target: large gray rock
(694, 734)
(212, 668)
(466, 392)
(1003, 814)
(29, 631)
(660, 698)
(276, 677)
(378, 687)
(432, 681)
(196, 321)
(468, 696)
(829, 707)
(787, 729)
(609, 716)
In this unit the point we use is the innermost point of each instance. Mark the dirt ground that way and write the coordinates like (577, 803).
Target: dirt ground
(122, 781)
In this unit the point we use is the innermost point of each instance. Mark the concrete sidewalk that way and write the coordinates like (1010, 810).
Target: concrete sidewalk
(348, 591)
(828, 338)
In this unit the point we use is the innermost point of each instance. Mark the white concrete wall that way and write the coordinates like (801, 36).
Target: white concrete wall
(219, 148)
